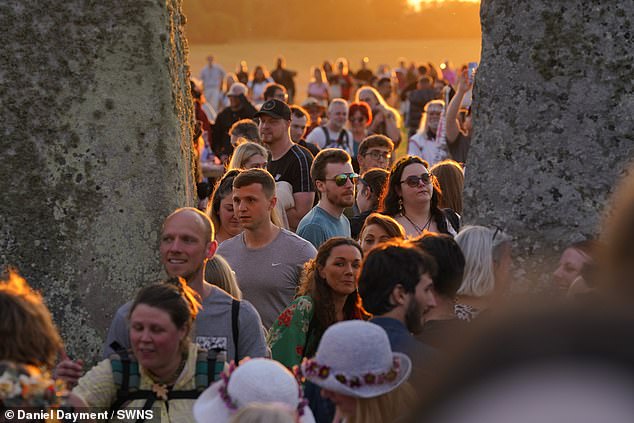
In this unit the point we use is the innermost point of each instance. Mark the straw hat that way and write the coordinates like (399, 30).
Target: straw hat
(258, 380)
(355, 358)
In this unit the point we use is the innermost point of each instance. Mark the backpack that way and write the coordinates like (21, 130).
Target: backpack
(342, 142)
(209, 365)
(127, 378)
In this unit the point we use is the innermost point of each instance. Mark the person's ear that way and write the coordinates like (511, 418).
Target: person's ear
(398, 296)
(320, 185)
(273, 201)
(211, 249)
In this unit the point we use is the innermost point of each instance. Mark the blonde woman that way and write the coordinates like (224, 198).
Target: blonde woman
(487, 272)
(220, 273)
(249, 155)
(386, 120)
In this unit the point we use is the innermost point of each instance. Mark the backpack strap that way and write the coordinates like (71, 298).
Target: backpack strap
(327, 134)
(125, 373)
(235, 326)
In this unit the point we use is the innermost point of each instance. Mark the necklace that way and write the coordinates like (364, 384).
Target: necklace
(418, 228)
(172, 379)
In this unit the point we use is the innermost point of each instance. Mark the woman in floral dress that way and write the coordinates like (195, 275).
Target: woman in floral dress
(327, 294)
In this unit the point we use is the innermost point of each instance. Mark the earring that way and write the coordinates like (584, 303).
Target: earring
(400, 204)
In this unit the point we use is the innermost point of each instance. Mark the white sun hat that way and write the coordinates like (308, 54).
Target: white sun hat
(257, 380)
(355, 358)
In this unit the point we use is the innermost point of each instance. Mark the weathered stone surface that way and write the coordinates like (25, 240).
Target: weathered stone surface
(553, 121)
(95, 151)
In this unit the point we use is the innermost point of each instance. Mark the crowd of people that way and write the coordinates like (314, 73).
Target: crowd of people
(321, 277)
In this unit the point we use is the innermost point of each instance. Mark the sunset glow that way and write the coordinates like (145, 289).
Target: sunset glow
(419, 4)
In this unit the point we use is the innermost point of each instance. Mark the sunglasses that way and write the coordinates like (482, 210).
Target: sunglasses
(413, 181)
(357, 120)
(496, 232)
(342, 178)
(377, 155)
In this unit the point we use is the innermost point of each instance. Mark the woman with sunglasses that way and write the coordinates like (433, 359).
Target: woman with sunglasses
(412, 199)
(360, 118)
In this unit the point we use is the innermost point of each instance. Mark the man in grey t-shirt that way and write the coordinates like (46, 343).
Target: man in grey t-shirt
(187, 242)
(267, 259)
(186, 245)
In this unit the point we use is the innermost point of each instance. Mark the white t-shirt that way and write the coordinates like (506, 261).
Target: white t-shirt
(430, 150)
(318, 137)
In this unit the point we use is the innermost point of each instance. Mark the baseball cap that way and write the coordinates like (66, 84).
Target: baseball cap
(276, 109)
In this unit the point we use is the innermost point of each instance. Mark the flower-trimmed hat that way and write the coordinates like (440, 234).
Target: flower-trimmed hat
(257, 380)
(355, 358)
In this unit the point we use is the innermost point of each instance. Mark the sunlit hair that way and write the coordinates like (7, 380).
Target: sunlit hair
(481, 252)
(223, 188)
(450, 177)
(363, 108)
(243, 152)
(387, 223)
(385, 408)
(342, 61)
(204, 218)
(322, 74)
(27, 332)
(246, 128)
(220, 273)
(423, 127)
(390, 204)
(379, 98)
(376, 181)
(325, 156)
(376, 140)
(317, 287)
(175, 298)
(300, 112)
(337, 101)
(230, 79)
(265, 73)
(256, 176)
(265, 413)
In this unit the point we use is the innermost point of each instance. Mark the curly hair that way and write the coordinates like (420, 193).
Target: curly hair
(317, 288)
(390, 203)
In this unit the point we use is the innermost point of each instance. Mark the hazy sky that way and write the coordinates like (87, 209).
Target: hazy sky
(416, 4)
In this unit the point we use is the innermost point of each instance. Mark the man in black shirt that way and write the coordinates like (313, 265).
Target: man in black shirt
(239, 108)
(289, 163)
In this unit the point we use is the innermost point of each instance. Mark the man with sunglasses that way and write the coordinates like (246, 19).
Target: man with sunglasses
(375, 151)
(335, 181)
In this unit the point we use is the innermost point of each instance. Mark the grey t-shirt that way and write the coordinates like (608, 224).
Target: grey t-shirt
(212, 328)
(318, 226)
(268, 276)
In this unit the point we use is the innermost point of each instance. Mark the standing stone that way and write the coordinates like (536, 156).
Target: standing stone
(552, 119)
(95, 151)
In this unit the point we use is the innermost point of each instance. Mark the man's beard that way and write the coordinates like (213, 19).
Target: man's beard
(414, 317)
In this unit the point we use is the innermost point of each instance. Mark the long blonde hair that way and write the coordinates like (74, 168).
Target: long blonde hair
(385, 408)
(243, 152)
(220, 273)
(379, 98)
